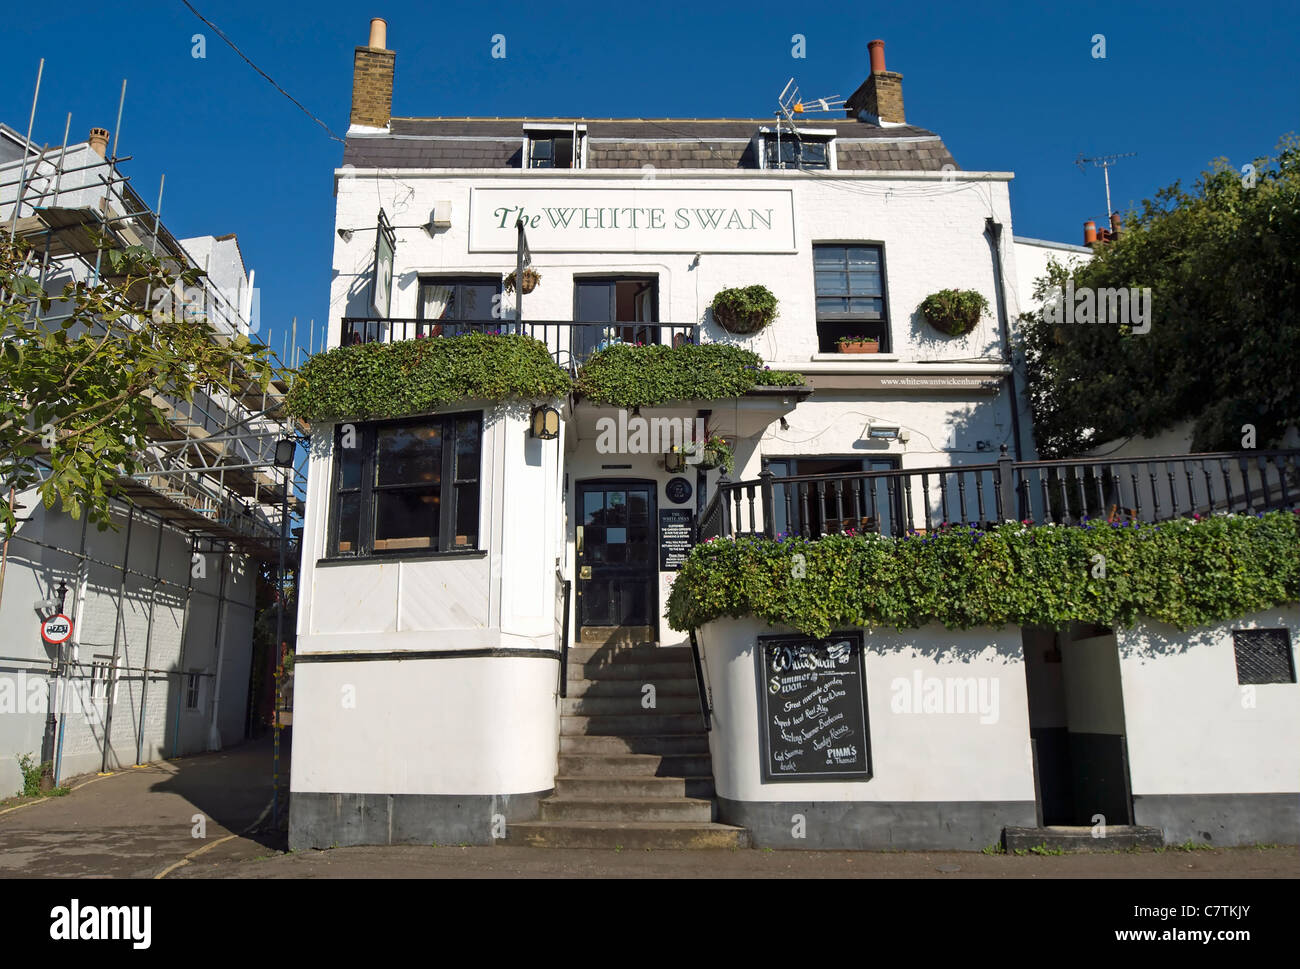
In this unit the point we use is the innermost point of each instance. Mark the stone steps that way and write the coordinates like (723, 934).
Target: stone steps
(646, 722)
(633, 687)
(630, 835)
(628, 706)
(607, 808)
(597, 786)
(630, 777)
(635, 765)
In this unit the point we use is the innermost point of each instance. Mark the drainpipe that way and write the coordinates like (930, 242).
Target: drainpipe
(994, 229)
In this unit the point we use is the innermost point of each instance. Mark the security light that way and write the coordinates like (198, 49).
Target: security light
(345, 235)
(882, 432)
(544, 423)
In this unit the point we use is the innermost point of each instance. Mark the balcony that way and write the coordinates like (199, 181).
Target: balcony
(896, 502)
(569, 343)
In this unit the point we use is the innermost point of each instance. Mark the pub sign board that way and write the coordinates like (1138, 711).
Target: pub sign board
(676, 537)
(813, 710)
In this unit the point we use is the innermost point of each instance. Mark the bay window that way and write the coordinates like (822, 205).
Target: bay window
(407, 485)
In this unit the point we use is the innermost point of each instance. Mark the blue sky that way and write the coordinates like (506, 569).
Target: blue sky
(1010, 86)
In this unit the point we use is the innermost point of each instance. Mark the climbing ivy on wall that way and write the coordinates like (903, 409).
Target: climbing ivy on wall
(1186, 573)
(379, 380)
(624, 375)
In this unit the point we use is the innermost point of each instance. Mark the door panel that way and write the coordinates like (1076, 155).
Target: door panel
(617, 563)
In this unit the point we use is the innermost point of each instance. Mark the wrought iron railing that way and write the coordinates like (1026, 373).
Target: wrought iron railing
(899, 501)
(570, 343)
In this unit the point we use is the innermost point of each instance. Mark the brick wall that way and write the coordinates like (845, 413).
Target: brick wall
(372, 87)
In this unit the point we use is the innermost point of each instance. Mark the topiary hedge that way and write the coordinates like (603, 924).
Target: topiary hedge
(624, 375)
(1186, 573)
(380, 380)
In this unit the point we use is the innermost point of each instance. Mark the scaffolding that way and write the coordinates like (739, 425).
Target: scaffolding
(210, 471)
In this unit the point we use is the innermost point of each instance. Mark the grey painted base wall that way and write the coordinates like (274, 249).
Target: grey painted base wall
(343, 820)
(903, 825)
(1222, 819)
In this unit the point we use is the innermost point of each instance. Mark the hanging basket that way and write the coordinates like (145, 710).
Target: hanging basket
(531, 279)
(744, 311)
(954, 312)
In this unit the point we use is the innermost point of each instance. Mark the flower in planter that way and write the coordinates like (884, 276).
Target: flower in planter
(954, 311)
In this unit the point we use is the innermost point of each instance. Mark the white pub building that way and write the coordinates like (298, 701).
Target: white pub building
(482, 650)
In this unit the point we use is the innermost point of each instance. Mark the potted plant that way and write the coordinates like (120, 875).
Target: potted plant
(531, 278)
(744, 310)
(954, 311)
(715, 452)
(858, 344)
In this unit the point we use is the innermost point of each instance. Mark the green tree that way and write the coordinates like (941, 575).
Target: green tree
(1223, 348)
(79, 371)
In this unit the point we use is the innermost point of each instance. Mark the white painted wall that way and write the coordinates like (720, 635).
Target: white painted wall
(1192, 729)
(427, 726)
(916, 756)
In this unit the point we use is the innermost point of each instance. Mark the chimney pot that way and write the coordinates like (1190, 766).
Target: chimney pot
(98, 140)
(877, 51)
(378, 34)
(1089, 233)
(1114, 225)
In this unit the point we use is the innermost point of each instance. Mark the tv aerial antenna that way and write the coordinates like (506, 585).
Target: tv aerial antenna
(1103, 162)
(791, 104)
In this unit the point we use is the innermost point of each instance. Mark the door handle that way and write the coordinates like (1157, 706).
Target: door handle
(579, 540)
(584, 572)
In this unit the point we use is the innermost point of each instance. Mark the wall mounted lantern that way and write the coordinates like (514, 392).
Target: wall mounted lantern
(675, 461)
(284, 449)
(544, 423)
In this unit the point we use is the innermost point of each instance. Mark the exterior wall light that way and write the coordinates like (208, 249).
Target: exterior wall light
(675, 461)
(882, 432)
(544, 423)
(284, 449)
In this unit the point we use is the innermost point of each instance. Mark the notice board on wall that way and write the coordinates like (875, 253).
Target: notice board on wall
(813, 708)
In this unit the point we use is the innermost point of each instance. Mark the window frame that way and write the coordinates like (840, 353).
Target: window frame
(772, 163)
(194, 690)
(426, 326)
(891, 462)
(534, 133)
(831, 326)
(1240, 636)
(368, 490)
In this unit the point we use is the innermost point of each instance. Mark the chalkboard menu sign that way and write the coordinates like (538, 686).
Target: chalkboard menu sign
(813, 708)
(676, 537)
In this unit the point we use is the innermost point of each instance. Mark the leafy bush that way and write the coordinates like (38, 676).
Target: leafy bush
(745, 309)
(1185, 572)
(632, 376)
(379, 380)
(954, 311)
(1223, 348)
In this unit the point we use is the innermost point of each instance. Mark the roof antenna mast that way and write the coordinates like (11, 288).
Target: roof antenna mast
(1103, 162)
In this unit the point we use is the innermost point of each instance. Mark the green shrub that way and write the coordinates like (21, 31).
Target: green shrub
(624, 375)
(381, 380)
(1186, 573)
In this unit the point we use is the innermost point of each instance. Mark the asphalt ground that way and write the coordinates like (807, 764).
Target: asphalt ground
(209, 816)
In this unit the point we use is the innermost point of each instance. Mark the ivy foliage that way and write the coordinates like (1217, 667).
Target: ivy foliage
(1223, 348)
(624, 375)
(1185, 572)
(380, 380)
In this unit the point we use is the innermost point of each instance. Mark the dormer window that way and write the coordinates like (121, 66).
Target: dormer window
(802, 150)
(554, 146)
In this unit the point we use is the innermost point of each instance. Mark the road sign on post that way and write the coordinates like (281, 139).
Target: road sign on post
(56, 629)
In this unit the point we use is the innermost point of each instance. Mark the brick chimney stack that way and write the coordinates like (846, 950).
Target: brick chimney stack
(98, 140)
(880, 98)
(372, 79)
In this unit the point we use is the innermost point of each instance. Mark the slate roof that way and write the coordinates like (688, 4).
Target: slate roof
(632, 143)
